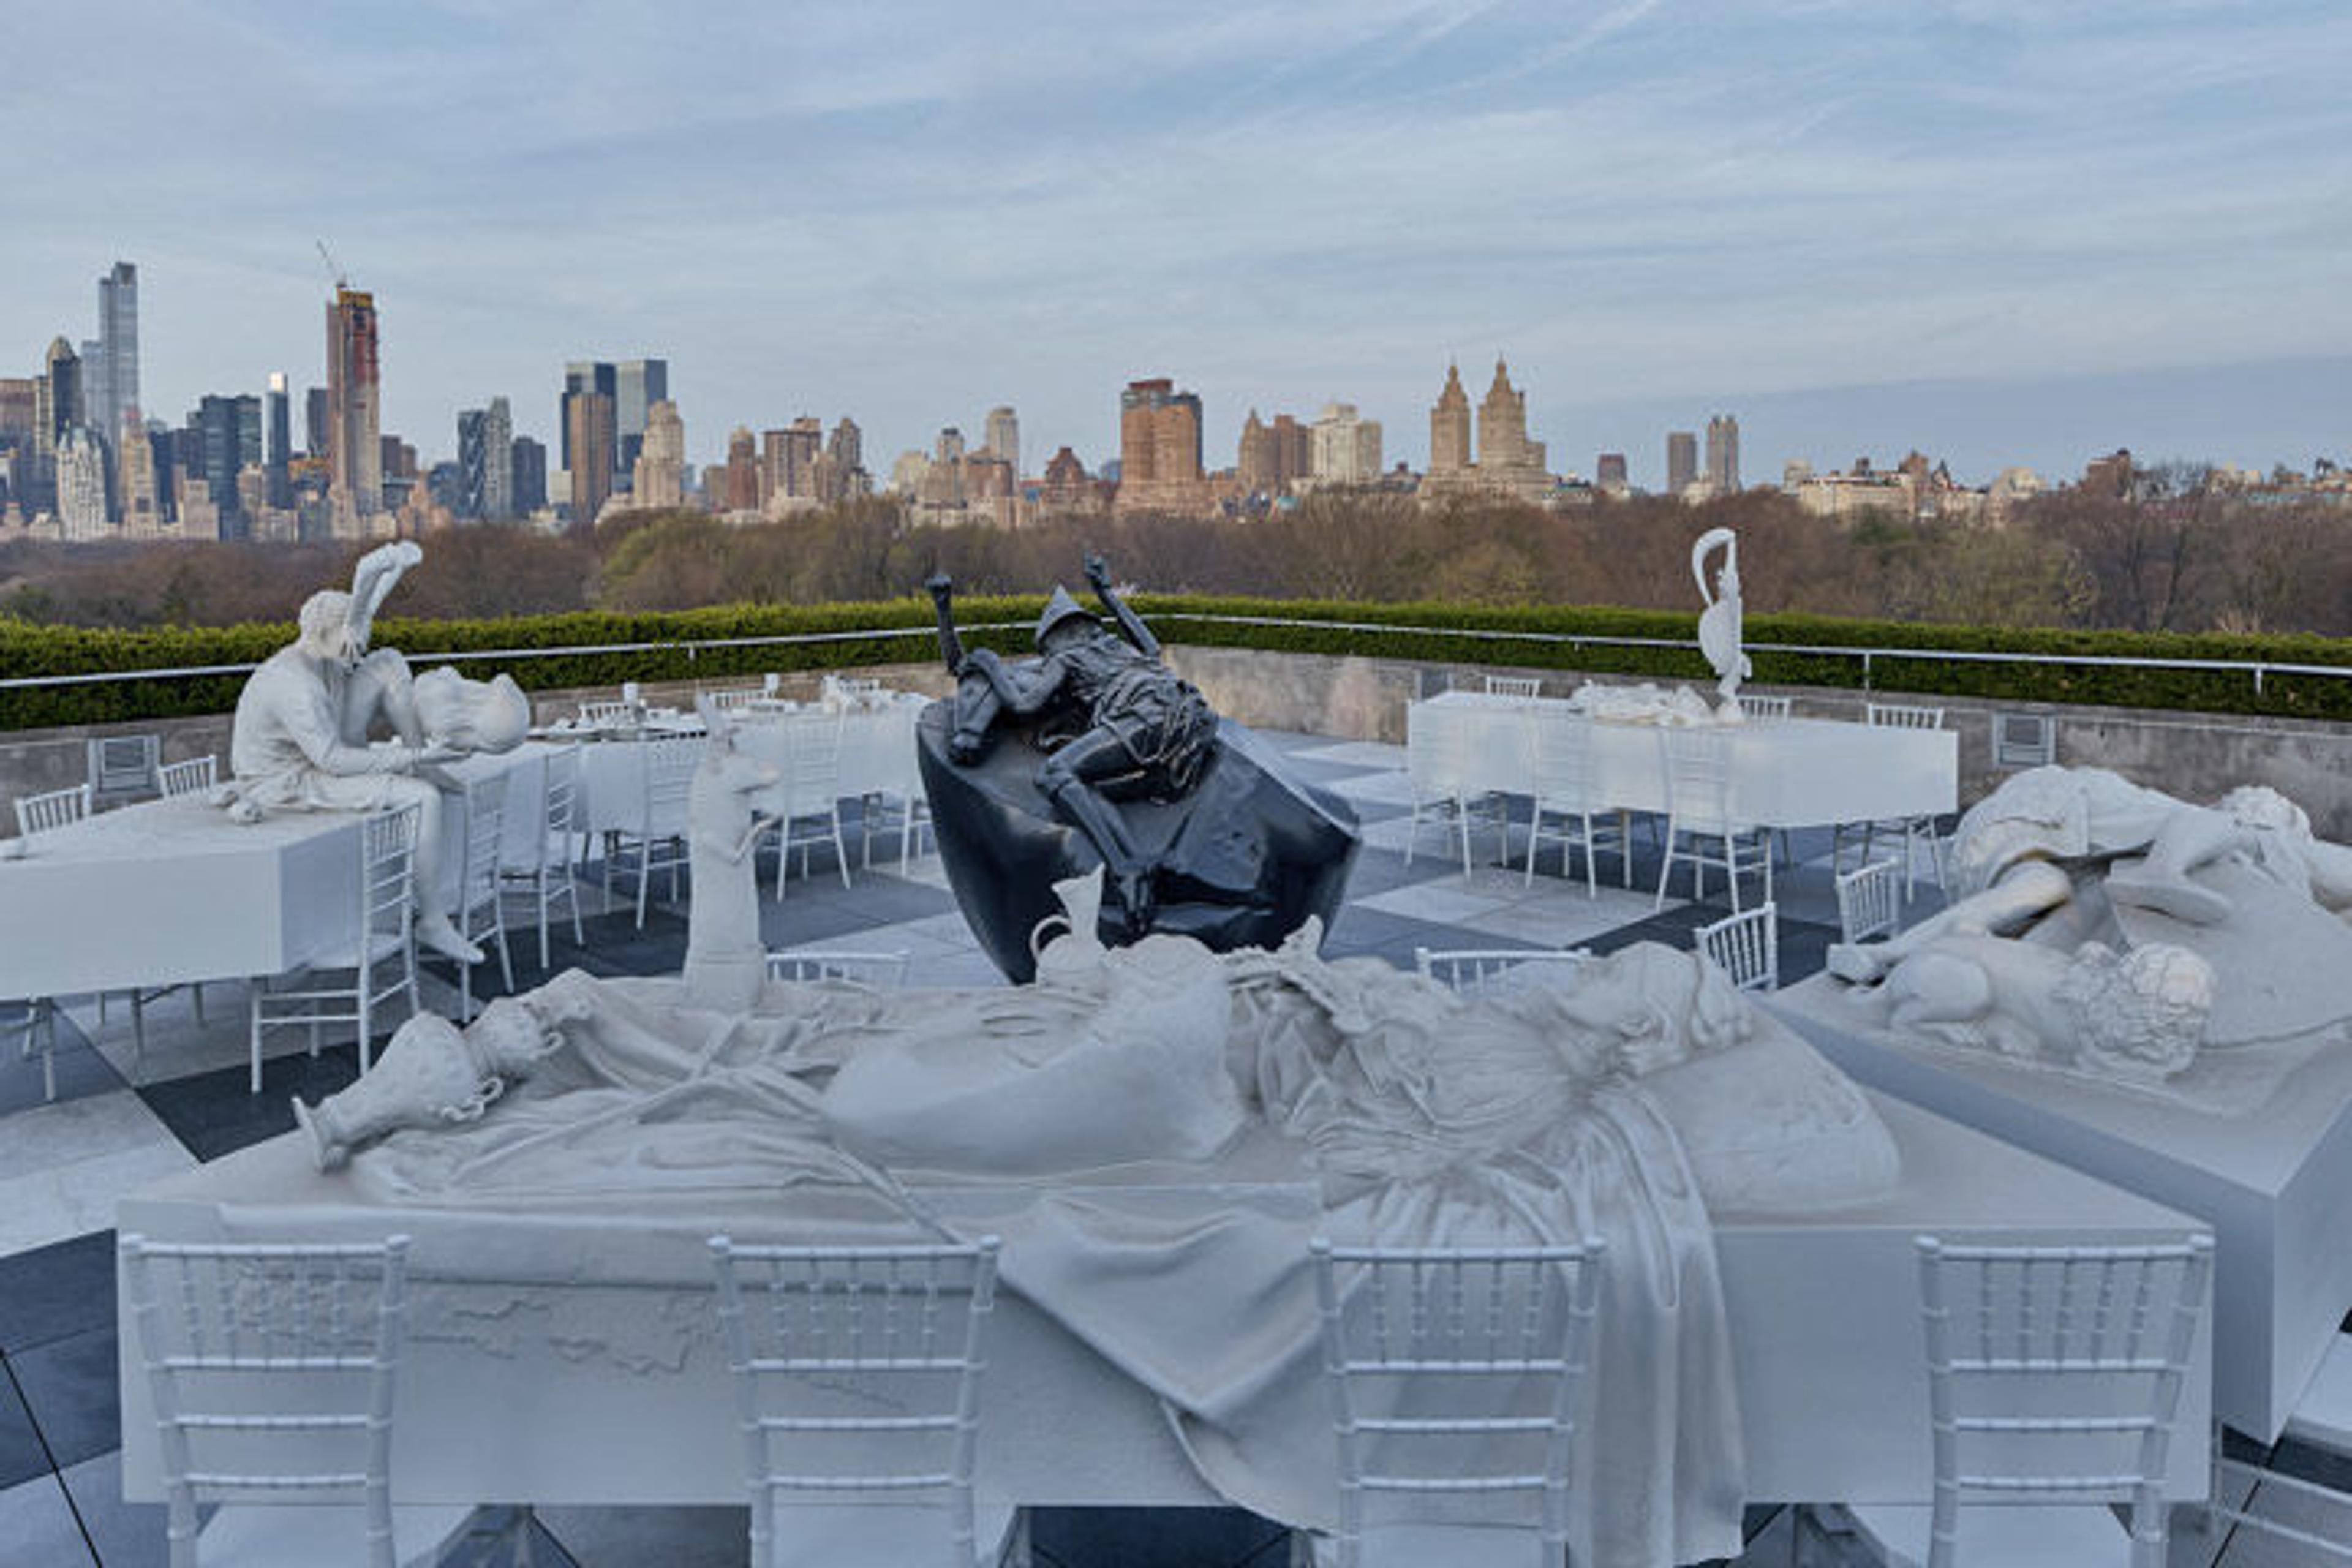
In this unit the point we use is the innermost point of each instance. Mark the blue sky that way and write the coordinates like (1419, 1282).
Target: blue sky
(909, 211)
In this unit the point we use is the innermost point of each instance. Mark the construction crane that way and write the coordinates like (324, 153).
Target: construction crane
(342, 279)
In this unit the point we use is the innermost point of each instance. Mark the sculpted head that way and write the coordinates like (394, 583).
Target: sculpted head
(2141, 1015)
(326, 626)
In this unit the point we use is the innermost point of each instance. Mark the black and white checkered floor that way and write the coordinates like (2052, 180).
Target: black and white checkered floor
(63, 1166)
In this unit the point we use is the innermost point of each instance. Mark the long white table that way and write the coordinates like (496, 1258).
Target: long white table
(1785, 773)
(571, 1355)
(877, 755)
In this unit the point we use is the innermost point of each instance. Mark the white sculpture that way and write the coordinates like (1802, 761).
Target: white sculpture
(726, 961)
(1647, 703)
(2114, 930)
(299, 741)
(1720, 624)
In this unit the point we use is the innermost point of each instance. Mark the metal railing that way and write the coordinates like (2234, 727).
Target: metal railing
(2255, 671)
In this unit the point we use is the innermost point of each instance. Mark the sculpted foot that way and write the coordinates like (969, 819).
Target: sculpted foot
(435, 932)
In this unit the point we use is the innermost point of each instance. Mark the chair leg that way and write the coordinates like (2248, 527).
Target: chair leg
(138, 1037)
(540, 887)
(645, 877)
(1591, 873)
(254, 1013)
(1665, 866)
(505, 958)
(367, 1000)
(840, 849)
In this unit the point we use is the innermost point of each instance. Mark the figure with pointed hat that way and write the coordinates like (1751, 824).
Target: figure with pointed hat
(1115, 721)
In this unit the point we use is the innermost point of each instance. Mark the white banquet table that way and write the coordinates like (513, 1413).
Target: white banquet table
(570, 1354)
(1785, 773)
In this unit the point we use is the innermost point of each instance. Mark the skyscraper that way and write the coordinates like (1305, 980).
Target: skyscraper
(658, 476)
(228, 433)
(82, 486)
(637, 385)
(314, 422)
(1723, 453)
(1449, 427)
(847, 448)
(1682, 460)
(1003, 428)
(742, 493)
(498, 460)
(1347, 448)
(1160, 447)
(473, 466)
(530, 466)
(354, 430)
(139, 498)
(278, 455)
(116, 379)
(589, 434)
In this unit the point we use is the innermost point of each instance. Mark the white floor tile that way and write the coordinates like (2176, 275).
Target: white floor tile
(47, 1137)
(1444, 901)
(633, 1537)
(1387, 789)
(70, 1200)
(1356, 753)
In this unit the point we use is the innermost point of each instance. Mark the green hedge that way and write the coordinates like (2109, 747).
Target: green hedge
(28, 650)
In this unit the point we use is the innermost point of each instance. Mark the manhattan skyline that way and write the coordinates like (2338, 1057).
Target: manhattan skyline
(2026, 224)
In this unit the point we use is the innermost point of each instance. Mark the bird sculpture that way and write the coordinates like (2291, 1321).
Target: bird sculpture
(1718, 624)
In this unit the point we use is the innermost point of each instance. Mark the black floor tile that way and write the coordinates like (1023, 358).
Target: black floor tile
(215, 1113)
(1152, 1537)
(53, 1291)
(126, 1534)
(80, 1070)
(1377, 871)
(21, 1454)
(73, 1388)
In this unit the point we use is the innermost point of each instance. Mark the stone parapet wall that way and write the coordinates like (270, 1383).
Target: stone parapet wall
(2196, 756)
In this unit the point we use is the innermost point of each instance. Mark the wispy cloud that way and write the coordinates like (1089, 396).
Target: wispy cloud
(909, 213)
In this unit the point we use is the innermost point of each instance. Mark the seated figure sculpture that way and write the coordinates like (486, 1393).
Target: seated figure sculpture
(2097, 926)
(301, 738)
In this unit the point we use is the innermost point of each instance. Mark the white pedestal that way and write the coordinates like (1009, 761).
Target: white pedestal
(593, 1372)
(2271, 1184)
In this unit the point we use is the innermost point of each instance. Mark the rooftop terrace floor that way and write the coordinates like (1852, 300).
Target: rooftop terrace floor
(64, 1165)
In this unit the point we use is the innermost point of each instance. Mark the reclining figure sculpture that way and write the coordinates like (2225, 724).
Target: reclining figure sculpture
(1197, 826)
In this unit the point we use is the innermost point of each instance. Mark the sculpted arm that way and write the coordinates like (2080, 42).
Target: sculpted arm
(304, 715)
(377, 572)
(1131, 625)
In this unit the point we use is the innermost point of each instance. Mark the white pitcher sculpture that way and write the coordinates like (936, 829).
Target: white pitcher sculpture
(726, 961)
(432, 1074)
(1718, 624)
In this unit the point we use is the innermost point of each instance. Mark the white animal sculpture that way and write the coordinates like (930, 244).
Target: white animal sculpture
(1718, 624)
(726, 961)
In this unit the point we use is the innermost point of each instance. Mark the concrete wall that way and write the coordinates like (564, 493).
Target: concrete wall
(2195, 756)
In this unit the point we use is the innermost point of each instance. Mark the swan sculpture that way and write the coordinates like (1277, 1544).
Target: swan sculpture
(1718, 624)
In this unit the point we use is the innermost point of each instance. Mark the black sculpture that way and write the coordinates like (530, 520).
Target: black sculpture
(1116, 760)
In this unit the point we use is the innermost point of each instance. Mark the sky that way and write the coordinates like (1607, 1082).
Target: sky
(2000, 230)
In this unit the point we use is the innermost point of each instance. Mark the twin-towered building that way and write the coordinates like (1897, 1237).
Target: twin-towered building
(1507, 465)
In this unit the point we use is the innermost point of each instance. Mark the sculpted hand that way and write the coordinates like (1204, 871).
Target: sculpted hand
(1098, 571)
(941, 586)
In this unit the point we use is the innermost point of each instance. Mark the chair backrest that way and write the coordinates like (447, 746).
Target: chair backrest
(1473, 972)
(388, 873)
(1747, 947)
(812, 767)
(1514, 685)
(1698, 774)
(124, 764)
(1870, 901)
(1561, 760)
(2055, 1373)
(486, 824)
(670, 763)
(1754, 706)
(52, 809)
(234, 1338)
(1437, 746)
(604, 711)
(872, 970)
(197, 775)
(1456, 1371)
(561, 795)
(734, 697)
(856, 1373)
(1902, 716)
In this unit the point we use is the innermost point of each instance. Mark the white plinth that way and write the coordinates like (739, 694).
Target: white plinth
(2270, 1183)
(597, 1377)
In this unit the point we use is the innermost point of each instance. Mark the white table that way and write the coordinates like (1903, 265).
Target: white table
(877, 755)
(548, 1373)
(1785, 773)
(170, 891)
